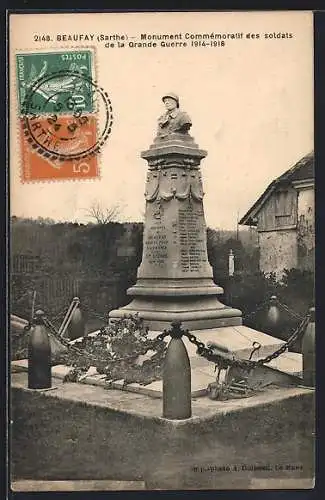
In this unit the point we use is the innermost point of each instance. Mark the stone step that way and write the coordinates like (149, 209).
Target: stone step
(289, 362)
(238, 339)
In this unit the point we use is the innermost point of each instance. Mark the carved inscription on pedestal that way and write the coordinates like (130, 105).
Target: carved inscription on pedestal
(156, 245)
(191, 236)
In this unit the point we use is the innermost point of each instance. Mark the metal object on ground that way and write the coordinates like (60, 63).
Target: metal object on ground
(177, 403)
(76, 326)
(33, 307)
(39, 355)
(235, 390)
(67, 318)
(308, 351)
(256, 347)
(225, 356)
(259, 377)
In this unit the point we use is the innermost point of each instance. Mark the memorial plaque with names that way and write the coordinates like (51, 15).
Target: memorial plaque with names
(175, 241)
(156, 245)
(192, 238)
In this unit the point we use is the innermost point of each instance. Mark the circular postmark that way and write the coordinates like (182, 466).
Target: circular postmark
(66, 116)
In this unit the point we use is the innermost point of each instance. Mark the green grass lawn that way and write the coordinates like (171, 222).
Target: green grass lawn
(55, 439)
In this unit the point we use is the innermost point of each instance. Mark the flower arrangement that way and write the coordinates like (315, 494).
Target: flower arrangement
(121, 350)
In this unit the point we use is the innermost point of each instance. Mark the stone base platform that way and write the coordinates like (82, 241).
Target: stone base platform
(195, 313)
(238, 339)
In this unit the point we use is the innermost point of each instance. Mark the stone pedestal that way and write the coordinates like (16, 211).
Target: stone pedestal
(174, 280)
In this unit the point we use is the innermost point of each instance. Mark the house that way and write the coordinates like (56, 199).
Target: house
(284, 219)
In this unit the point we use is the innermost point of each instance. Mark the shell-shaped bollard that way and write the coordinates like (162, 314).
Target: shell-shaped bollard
(273, 314)
(177, 404)
(39, 355)
(76, 327)
(308, 351)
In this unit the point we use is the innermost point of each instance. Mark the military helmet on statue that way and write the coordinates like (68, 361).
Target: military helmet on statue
(172, 96)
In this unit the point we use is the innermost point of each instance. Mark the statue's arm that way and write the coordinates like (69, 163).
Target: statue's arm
(185, 122)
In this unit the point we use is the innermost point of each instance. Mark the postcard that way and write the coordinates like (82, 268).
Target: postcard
(162, 227)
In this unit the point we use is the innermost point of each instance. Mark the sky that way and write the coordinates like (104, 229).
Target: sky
(251, 104)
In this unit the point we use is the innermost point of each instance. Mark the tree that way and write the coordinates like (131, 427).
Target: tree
(104, 215)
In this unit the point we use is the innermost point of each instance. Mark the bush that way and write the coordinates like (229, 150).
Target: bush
(62, 260)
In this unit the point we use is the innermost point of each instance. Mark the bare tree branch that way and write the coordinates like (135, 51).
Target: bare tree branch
(104, 215)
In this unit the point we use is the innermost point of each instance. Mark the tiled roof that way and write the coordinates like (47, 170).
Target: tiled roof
(302, 170)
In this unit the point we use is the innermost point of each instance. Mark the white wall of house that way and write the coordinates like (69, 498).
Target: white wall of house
(292, 246)
(305, 199)
(278, 251)
(305, 225)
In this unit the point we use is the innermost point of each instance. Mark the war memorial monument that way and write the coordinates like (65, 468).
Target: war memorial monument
(174, 280)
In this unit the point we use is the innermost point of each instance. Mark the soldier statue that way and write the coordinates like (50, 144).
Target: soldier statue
(174, 120)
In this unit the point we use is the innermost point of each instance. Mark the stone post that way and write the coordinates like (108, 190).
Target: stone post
(308, 351)
(273, 315)
(231, 263)
(177, 403)
(76, 326)
(39, 355)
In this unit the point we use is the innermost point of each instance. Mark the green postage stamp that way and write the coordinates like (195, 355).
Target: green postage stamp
(51, 80)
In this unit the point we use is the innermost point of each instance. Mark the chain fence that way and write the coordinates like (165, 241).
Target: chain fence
(221, 361)
(225, 360)
(243, 384)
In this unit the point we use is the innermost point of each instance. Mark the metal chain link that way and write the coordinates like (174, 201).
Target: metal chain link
(223, 362)
(277, 302)
(86, 308)
(162, 335)
(67, 344)
(259, 308)
(202, 350)
(81, 352)
(210, 355)
(22, 297)
(292, 339)
(289, 311)
(60, 314)
(94, 313)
